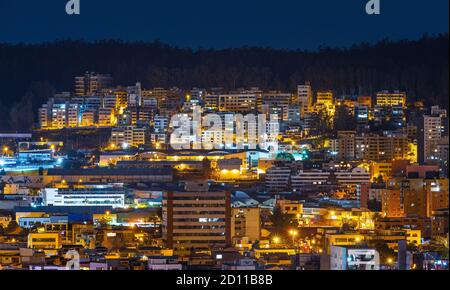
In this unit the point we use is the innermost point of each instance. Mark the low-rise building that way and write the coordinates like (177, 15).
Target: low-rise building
(354, 258)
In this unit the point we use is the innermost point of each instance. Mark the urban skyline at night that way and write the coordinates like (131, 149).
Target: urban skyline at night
(231, 139)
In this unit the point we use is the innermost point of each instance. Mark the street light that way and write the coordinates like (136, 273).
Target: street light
(390, 261)
(276, 240)
(293, 233)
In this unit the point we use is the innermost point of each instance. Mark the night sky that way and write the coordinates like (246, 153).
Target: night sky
(304, 24)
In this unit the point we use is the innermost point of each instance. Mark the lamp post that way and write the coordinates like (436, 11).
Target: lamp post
(293, 233)
(276, 240)
(390, 261)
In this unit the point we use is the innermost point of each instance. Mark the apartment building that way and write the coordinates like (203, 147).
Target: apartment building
(246, 222)
(276, 103)
(238, 103)
(304, 98)
(124, 137)
(379, 148)
(278, 179)
(197, 217)
(90, 196)
(387, 99)
(430, 133)
(414, 197)
(91, 83)
(343, 148)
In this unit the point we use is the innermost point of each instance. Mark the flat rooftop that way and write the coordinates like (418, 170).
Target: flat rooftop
(110, 171)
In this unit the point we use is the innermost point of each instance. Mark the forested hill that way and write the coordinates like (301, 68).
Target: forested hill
(29, 73)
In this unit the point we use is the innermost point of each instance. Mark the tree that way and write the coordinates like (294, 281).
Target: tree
(379, 179)
(13, 228)
(343, 119)
(280, 222)
(361, 69)
(383, 249)
(21, 114)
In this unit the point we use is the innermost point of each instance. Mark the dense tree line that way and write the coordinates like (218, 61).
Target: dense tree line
(29, 74)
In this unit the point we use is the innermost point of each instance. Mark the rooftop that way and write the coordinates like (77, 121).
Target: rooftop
(110, 171)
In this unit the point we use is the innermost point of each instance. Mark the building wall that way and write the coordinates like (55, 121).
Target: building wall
(196, 219)
(245, 222)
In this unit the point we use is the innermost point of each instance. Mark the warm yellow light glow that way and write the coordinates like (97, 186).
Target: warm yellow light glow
(261, 171)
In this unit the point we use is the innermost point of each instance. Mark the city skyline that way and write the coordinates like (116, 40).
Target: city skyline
(225, 140)
(367, 174)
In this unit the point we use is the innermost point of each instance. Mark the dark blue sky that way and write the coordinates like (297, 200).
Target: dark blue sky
(304, 24)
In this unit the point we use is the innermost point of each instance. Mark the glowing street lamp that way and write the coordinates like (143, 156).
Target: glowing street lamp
(276, 240)
(390, 262)
(293, 233)
(298, 218)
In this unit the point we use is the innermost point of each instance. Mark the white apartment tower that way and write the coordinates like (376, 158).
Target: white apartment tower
(305, 98)
(430, 134)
